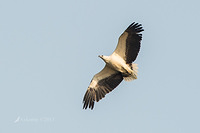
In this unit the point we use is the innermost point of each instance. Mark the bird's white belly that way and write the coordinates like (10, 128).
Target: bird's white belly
(119, 64)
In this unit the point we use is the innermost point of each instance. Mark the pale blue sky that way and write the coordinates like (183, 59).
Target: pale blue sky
(49, 53)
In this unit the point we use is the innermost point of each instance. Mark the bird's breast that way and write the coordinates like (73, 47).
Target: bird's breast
(117, 63)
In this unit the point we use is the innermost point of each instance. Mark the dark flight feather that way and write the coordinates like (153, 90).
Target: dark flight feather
(133, 42)
(103, 87)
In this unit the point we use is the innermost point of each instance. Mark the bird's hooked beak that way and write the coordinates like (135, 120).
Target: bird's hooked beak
(100, 56)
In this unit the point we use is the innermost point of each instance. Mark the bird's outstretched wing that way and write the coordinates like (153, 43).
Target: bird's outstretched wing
(102, 83)
(129, 43)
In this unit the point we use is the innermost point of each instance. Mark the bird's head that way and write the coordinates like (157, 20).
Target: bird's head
(100, 56)
(104, 58)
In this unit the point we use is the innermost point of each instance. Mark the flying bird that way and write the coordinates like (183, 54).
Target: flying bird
(118, 66)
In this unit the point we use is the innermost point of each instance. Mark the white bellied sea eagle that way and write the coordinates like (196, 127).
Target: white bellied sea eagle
(118, 66)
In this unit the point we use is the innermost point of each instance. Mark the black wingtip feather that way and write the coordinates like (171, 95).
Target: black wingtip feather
(89, 99)
(135, 27)
(93, 95)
